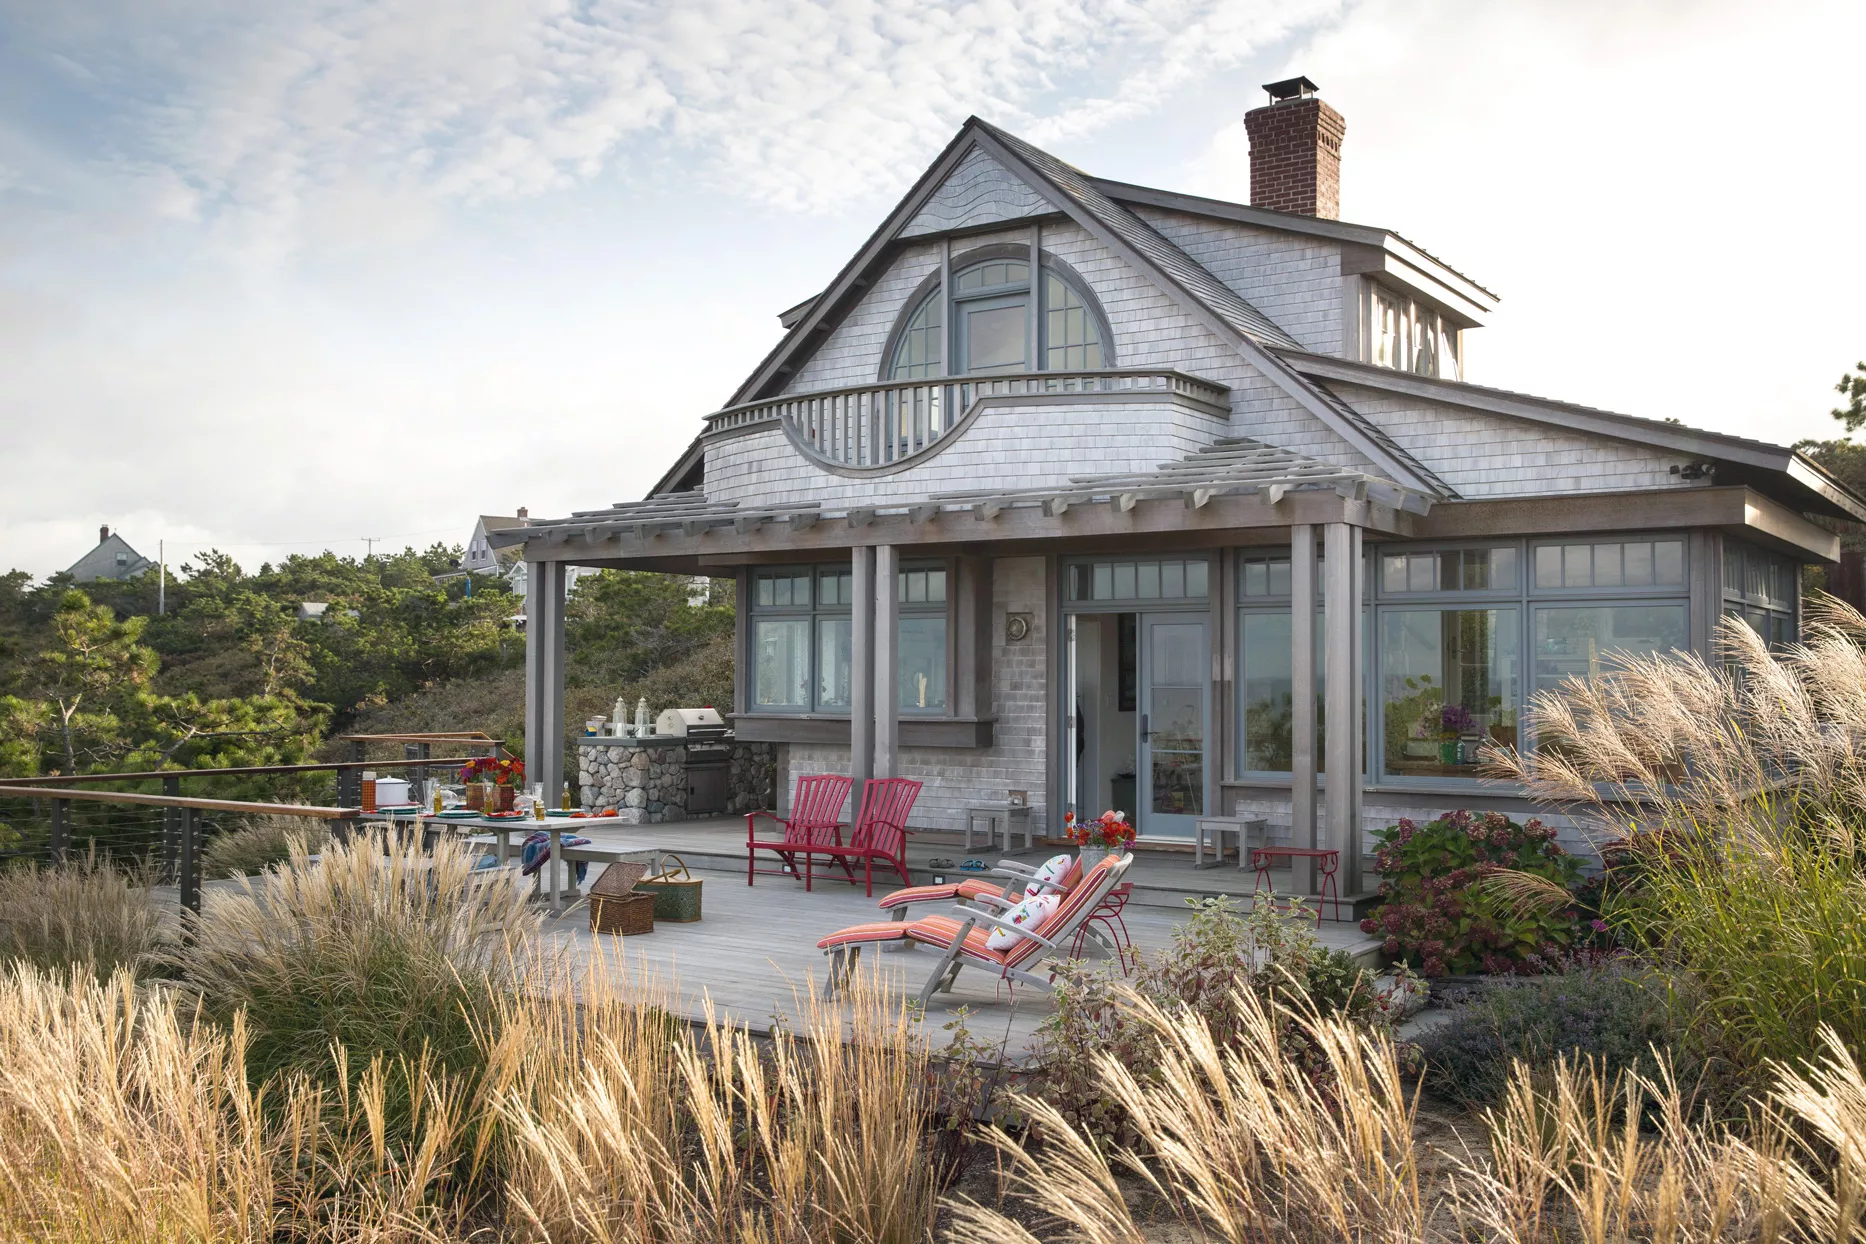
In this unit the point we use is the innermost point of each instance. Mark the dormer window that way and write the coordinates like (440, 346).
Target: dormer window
(992, 322)
(1408, 335)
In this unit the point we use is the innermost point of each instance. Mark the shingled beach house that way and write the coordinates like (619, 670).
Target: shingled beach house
(1129, 499)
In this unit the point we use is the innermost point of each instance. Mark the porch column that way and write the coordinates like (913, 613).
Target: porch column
(861, 673)
(1302, 700)
(1342, 620)
(886, 690)
(544, 676)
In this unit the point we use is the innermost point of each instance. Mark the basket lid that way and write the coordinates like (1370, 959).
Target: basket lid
(619, 878)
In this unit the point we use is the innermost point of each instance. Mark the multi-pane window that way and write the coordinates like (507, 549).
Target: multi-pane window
(991, 326)
(1172, 579)
(1408, 335)
(1611, 564)
(920, 658)
(802, 639)
(1071, 337)
(1450, 570)
(1459, 637)
(920, 353)
(1764, 590)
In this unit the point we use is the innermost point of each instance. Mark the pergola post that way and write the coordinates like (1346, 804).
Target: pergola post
(861, 673)
(1342, 621)
(544, 676)
(887, 656)
(1302, 756)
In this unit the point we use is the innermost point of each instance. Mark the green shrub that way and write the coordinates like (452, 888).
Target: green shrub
(1441, 912)
(260, 842)
(87, 912)
(1615, 1015)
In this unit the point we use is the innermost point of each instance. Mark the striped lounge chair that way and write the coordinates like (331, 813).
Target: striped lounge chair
(994, 895)
(961, 937)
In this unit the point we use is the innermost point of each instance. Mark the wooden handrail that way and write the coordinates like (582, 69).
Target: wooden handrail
(475, 737)
(70, 779)
(182, 801)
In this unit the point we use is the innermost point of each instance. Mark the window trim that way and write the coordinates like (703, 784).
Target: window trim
(1035, 311)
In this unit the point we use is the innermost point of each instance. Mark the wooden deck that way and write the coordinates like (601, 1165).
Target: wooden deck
(754, 955)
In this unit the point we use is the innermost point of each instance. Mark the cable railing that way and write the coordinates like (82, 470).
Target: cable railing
(55, 818)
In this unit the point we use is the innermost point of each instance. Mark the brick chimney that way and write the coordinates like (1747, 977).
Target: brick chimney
(103, 533)
(524, 516)
(1295, 151)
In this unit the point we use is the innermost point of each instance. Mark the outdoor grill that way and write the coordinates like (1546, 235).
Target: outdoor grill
(709, 755)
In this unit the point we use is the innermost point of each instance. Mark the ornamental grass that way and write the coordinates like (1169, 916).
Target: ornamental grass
(1731, 802)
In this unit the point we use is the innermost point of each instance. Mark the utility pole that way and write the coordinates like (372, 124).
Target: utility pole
(161, 577)
(370, 542)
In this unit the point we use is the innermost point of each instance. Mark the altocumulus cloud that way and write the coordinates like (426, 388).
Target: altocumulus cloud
(258, 108)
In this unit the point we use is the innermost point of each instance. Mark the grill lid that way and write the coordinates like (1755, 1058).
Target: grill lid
(680, 722)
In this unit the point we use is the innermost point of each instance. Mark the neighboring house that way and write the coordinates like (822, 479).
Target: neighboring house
(113, 558)
(480, 556)
(1078, 487)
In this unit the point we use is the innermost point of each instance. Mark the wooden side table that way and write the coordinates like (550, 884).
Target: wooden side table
(999, 817)
(1213, 829)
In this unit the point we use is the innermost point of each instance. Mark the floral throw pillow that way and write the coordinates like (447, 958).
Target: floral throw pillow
(1029, 914)
(1053, 871)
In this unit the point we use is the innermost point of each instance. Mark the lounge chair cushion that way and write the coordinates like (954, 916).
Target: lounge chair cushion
(862, 934)
(1031, 913)
(967, 890)
(1053, 871)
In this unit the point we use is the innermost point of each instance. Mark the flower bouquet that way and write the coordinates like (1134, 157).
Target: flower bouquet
(1107, 832)
(1454, 722)
(501, 773)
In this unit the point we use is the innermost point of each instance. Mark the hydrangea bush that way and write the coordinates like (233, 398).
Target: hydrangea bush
(1440, 916)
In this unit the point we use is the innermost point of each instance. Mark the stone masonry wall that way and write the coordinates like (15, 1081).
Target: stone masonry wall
(646, 779)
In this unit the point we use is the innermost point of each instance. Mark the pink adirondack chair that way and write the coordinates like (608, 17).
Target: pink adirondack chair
(880, 831)
(815, 821)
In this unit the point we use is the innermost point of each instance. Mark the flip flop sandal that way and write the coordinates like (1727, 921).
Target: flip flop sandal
(974, 866)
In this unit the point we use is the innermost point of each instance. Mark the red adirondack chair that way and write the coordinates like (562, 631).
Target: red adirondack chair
(815, 821)
(880, 831)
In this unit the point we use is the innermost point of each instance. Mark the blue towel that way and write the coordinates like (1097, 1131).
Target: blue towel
(537, 849)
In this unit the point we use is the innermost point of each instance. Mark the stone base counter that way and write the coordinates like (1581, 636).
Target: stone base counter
(645, 780)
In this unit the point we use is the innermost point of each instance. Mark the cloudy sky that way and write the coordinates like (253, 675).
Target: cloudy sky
(276, 277)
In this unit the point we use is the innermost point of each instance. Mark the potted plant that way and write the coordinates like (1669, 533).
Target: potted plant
(1106, 834)
(1454, 722)
(502, 774)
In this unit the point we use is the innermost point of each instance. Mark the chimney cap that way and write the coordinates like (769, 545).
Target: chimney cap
(1290, 89)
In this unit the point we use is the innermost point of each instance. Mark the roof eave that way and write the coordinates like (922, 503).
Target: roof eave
(1829, 494)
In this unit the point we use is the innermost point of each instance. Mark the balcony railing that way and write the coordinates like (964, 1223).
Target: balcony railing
(879, 425)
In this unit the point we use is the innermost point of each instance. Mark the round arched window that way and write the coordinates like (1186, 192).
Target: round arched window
(994, 329)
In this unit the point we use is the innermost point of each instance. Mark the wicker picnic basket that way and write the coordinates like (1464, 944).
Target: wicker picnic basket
(676, 894)
(615, 907)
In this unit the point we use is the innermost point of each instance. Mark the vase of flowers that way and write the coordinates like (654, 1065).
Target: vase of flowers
(1105, 835)
(500, 775)
(1454, 722)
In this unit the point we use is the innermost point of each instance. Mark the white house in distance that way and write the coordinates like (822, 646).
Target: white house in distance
(113, 558)
(1129, 498)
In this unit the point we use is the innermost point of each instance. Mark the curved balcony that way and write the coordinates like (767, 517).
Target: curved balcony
(881, 427)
